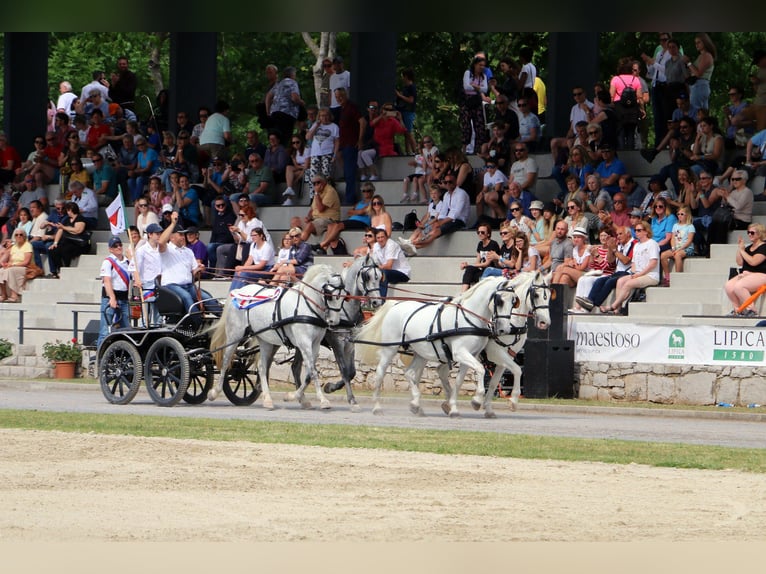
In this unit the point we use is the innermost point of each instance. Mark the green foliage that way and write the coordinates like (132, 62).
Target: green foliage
(63, 351)
(6, 348)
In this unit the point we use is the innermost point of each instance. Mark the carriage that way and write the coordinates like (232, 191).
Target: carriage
(178, 359)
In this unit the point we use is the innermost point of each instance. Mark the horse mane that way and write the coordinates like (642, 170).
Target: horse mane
(316, 271)
(466, 295)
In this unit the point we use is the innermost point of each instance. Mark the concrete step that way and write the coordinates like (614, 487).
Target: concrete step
(685, 281)
(674, 309)
(677, 294)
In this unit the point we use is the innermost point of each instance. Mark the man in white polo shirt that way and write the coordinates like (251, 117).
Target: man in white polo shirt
(179, 266)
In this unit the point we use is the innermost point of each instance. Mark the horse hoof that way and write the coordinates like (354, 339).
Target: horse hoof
(325, 405)
(327, 388)
(445, 408)
(268, 405)
(290, 396)
(490, 415)
(355, 408)
(212, 394)
(475, 404)
(454, 415)
(513, 404)
(414, 409)
(305, 405)
(376, 410)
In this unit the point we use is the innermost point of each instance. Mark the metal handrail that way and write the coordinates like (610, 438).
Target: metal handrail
(75, 324)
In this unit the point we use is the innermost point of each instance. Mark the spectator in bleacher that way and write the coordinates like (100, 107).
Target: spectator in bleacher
(283, 104)
(217, 133)
(576, 216)
(502, 261)
(125, 164)
(32, 193)
(324, 210)
(260, 187)
(390, 258)
(644, 270)
(751, 259)
(26, 166)
(220, 234)
(681, 144)
(13, 267)
(633, 192)
(594, 132)
(258, 263)
(430, 153)
(71, 239)
(570, 270)
(607, 119)
(368, 240)
(43, 239)
(602, 263)
(529, 124)
(702, 210)
(620, 248)
(517, 220)
(628, 116)
(186, 202)
(297, 167)
(475, 87)
(545, 224)
(325, 138)
(386, 126)
(437, 211)
(687, 181)
(701, 69)
(708, 148)
(37, 233)
(619, 214)
(203, 113)
(498, 148)
(145, 216)
(508, 115)
(458, 210)
(62, 129)
(147, 162)
(459, 166)
(524, 168)
(506, 84)
(324, 90)
(104, 180)
(581, 111)
(492, 191)
(560, 248)
(735, 136)
(610, 169)
(681, 245)
(254, 145)
(597, 198)
(472, 272)
(45, 169)
(358, 217)
(368, 147)
(351, 125)
(87, 205)
(339, 80)
(300, 259)
(575, 159)
(740, 198)
(662, 222)
(657, 189)
(406, 102)
(276, 157)
(577, 169)
(197, 246)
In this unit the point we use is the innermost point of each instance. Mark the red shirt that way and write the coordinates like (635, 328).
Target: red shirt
(348, 125)
(9, 153)
(94, 133)
(384, 131)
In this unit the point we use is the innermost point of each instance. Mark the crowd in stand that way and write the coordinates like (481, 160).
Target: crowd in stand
(96, 145)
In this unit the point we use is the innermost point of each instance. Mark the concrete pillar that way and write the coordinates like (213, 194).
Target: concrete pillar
(573, 59)
(26, 86)
(373, 67)
(193, 73)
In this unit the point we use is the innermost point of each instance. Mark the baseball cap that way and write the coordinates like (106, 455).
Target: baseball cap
(167, 208)
(337, 60)
(153, 228)
(537, 204)
(605, 147)
(192, 229)
(114, 241)
(636, 212)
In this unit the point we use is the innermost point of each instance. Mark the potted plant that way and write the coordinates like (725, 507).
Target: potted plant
(367, 311)
(64, 355)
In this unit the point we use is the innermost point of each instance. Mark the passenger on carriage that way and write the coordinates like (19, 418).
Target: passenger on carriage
(115, 277)
(148, 269)
(179, 266)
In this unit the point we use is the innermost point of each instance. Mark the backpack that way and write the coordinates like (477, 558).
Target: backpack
(629, 96)
(410, 221)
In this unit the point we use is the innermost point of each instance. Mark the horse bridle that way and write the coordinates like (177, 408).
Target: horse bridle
(364, 274)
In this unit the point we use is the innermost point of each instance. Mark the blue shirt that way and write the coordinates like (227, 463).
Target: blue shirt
(606, 171)
(143, 159)
(363, 218)
(661, 228)
(105, 173)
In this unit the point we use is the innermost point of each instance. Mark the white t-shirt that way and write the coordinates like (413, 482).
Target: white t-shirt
(389, 252)
(107, 270)
(323, 142)
(341, 80)
(491, 180)
(265, 253)
(148, 265)
(643, 253)
(215, 126)
(521, 169)
(65, 103)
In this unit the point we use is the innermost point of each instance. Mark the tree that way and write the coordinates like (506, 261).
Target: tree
(325, 49)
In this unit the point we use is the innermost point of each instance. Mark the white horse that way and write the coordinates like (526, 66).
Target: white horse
(448, 332)
(295, 315)
(534, 298)
(361, 281)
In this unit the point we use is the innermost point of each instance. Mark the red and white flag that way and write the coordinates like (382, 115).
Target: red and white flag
(115, 211)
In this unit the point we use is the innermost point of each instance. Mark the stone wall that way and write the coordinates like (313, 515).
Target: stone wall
(671, 384)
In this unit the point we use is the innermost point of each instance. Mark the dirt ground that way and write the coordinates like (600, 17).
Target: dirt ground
(76, 488)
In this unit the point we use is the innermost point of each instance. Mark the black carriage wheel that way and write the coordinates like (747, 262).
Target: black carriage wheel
(166, 371)
(242, 384)
(200, 381)
(119, 372)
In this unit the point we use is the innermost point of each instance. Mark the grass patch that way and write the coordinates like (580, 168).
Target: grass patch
(400, 439)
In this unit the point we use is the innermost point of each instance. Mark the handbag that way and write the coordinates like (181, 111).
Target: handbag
(81, 240)
(473, 102)
(724, 216)
(691, 80)
(33, 270)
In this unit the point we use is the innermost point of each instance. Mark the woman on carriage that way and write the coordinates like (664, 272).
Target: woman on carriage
(301, 258)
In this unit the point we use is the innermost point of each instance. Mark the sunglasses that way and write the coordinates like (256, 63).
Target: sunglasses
(640, 229)
(592, 133)
(481, 232)
(449, 181)
(751, 232)
(377, 203)
(577, 93)
(22, 235)
(317, 182)
(143, 205)
(490, 166)
(40, 141)
(504, 232)
(571, 207)
(220, 205)
(736, 179)
(664, 39)
(515, 209)
(659, 206)
(369, 235)
(427, 142)
(296, 142)
(294, 236)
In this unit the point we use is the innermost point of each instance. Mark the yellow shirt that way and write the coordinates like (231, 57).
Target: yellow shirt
(18, 253)
(540, 90)
(332, 205)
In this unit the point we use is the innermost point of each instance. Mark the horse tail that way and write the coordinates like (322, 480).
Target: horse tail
(218, 339)
(372, 331)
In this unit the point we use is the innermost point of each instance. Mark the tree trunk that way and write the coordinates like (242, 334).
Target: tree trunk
(325, 49)
(154, 61)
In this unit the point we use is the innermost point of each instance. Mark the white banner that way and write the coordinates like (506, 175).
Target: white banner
(115, 211)
(668, 344)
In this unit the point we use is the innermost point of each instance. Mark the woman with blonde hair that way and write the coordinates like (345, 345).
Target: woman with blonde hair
(752, 274)
(379, 217)
(13, 267)
(681, 244)
(300, 258)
